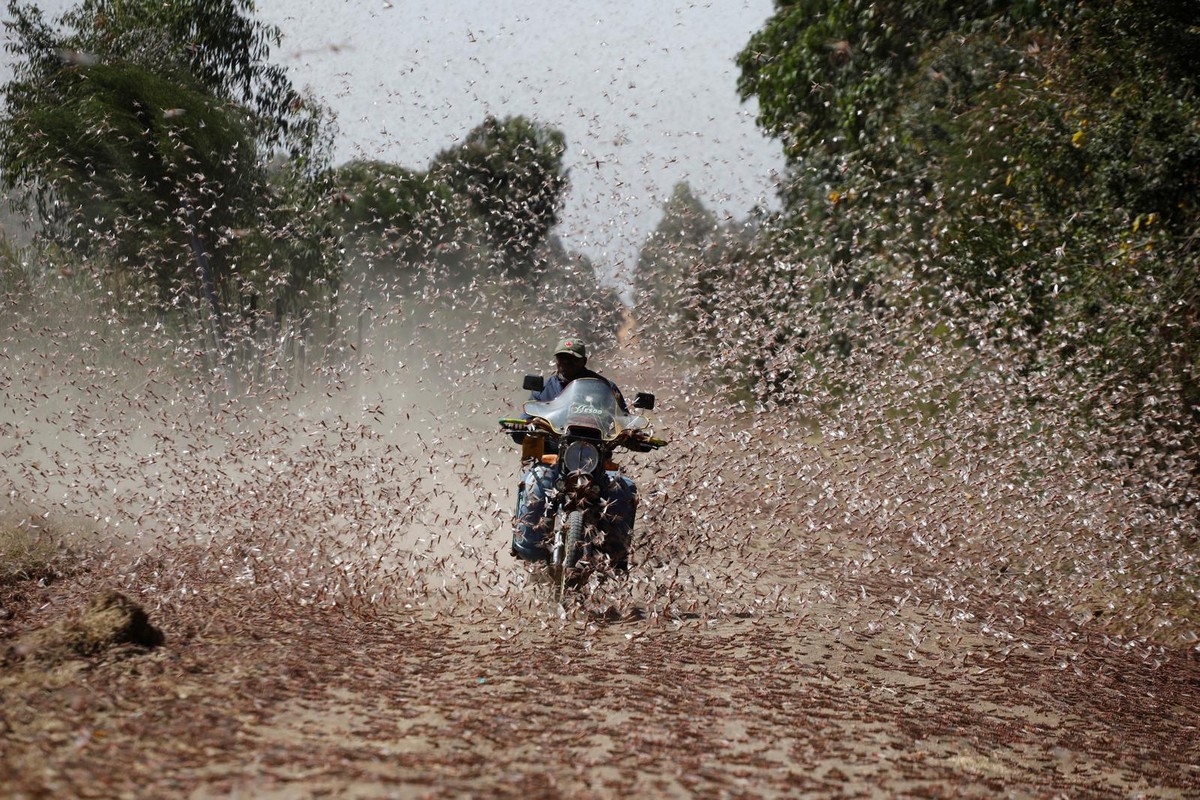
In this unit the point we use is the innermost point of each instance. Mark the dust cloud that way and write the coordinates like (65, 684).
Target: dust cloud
(379, 480)
(334, 541)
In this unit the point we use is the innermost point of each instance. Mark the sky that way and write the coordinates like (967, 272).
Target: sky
(643, 90)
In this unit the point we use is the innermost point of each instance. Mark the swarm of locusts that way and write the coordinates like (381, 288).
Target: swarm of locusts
(376, 479)
(339, 519)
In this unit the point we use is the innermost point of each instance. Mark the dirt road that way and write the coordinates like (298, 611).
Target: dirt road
(342, 619)
(831, 700)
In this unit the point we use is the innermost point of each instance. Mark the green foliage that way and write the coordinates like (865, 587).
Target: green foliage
(511, 172)
(668, 260)
(1112, 185)
(825, 71)
(130, 153)
(217, 43)
(417, 218)
(159, 135)
(1032, 165)
(404, 227)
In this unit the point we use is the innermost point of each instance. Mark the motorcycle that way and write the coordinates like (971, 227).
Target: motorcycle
(584, 426)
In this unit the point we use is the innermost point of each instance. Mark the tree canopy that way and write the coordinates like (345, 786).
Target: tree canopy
(511, 171)
(1054, 141)
(160, 132)
(1026, 169)
(671, 257)
(406, 207)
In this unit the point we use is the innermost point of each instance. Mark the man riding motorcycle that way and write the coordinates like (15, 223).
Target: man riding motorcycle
(619, 495)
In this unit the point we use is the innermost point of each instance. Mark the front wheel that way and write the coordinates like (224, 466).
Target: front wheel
(573, 546)
(572, 549)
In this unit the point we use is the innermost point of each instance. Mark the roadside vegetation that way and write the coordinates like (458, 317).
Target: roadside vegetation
(27, 553)
(984, 277)
(159, 149)
(1002, 180)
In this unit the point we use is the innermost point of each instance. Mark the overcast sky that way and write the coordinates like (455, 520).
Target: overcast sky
(644, 91)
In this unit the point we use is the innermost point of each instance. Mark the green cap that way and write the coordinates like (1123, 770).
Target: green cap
(571, 347)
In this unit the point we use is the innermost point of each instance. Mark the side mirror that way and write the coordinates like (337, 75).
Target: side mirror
(644, 400)
(533, 383)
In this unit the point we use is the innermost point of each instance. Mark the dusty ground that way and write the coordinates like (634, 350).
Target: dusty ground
(342, 619)
(858, 693)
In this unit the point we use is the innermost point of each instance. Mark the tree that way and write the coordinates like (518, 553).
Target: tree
(416, 218)
(1109, 178)
(1031, 165)
(826, 73)
(511, 172)
(159, 133)
(129, 162)
(671, 256)
(217, 43)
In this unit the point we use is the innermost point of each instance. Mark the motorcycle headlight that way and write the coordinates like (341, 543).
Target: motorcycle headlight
(581, 457)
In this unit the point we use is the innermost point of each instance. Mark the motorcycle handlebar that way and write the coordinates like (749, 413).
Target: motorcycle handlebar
(511, 425)
(633, 440)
